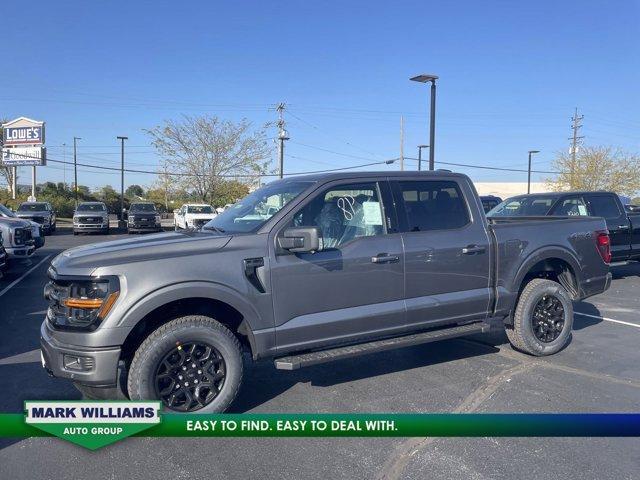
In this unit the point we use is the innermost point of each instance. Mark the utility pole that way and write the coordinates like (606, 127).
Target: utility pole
(424, 78)
(401, 143)
(282, 136)
(64, 166)
(420, 147)
(531, 152)
(121, 222)
(576, 140)
(75, 168)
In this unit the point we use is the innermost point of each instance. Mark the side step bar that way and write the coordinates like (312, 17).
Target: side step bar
(293, 362)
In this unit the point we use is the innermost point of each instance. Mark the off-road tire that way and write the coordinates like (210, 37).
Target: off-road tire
(141, 378)
(521, 334)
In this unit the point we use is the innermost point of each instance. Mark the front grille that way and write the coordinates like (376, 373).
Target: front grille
(37, 218)
(200, 222)
(89, 219)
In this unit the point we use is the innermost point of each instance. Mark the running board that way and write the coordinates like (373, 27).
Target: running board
(293, 362)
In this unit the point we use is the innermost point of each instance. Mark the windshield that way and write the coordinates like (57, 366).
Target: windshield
(32, 207)
(91, 207)
(5, 212)
(523, 206)
(143, 207)
(199, 209)
(250, 213)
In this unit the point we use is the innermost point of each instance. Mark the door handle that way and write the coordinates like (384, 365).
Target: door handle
(472, 249)
(623, 227)
(385, 258)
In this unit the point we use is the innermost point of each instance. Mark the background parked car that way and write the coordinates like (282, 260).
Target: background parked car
(40, 212)
(193, 216)
(143, 217)
(623, 226)
(489, 202)
(91, 217)
(36, 229)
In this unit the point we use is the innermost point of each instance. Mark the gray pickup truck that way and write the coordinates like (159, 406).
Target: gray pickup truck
(307, 270)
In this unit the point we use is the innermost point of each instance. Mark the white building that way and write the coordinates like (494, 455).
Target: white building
(509, 189)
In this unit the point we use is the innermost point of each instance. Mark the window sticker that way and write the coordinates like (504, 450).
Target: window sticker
(372, 213)
(346, 204)
(582, 210)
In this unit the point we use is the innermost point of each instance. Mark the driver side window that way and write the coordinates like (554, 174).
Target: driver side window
(343, 213)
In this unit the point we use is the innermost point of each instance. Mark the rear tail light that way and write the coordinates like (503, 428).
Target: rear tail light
(604, 246)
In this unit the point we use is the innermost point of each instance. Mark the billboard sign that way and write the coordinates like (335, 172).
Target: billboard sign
(23, 131)
(24, 156)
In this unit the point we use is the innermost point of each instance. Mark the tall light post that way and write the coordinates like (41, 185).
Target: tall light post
(121, 222)
(75, 168)
(420, 147)
(424, 78)
(531, 152)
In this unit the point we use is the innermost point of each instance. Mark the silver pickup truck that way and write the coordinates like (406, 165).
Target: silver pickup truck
(308, 270)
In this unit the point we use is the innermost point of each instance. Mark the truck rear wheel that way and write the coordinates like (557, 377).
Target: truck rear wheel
(543, 318)
(193, 363)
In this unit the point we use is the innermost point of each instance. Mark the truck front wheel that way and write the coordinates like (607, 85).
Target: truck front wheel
(543, 318)
(193, 363)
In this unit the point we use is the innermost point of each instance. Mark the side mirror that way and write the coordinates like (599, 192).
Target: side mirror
(301, 239)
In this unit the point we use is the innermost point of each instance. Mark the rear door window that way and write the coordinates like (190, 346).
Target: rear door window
(432, 205)
(604, 206)
(571, 206)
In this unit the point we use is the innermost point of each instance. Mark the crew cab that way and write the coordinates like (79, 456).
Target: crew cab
(193, 216)
(623, 225)
(143, 217)
(306, 270)
(39, 212)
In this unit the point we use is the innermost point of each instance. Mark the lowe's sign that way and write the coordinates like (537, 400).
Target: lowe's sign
(23, 131)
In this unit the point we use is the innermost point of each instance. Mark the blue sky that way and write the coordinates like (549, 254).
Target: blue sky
(511, 74)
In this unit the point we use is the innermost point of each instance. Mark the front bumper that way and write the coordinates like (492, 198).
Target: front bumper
(21, 251)
(87, 366)
(144, 227)
(90, 227)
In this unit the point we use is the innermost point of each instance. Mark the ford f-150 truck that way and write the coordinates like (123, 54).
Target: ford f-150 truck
(623, 226)
(307, 270)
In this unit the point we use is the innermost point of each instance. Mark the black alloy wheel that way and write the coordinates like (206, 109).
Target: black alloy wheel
(548, 318)
(190, 376)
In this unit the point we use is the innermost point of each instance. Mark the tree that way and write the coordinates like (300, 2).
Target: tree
(110, 197)
(134, 191)
(597, 168)
(206, 151)
(229, 192)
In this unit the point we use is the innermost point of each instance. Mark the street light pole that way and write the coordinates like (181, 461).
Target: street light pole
(531, 152)
(75, 168)
(121, 223)
(424, 78)
(420, 147)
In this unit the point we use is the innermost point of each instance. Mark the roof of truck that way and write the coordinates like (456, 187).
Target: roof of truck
(317, 177)
(559, 194)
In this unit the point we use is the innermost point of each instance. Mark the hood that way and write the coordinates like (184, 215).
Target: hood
(35, 213)
(86, 259)
(15, 222)
(90, 214)
(201, 215)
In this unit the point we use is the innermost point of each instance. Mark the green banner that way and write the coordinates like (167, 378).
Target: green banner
(93, 425)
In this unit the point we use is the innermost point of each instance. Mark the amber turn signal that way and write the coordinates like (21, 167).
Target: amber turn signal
(82, 302)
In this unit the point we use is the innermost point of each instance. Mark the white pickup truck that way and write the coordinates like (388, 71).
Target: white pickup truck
(193, 216)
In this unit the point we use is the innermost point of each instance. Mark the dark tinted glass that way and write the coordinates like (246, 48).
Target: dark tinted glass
(433, 205)
(603, 206)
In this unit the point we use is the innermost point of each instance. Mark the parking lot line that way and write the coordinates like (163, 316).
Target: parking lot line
(16, 281)
(608, 319)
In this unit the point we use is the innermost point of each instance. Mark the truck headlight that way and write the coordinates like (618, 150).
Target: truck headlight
(80, 304)
(76, 219)
(157, 218)
(18, 236)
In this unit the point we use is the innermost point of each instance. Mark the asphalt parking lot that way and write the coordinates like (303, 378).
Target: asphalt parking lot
(597, 372)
